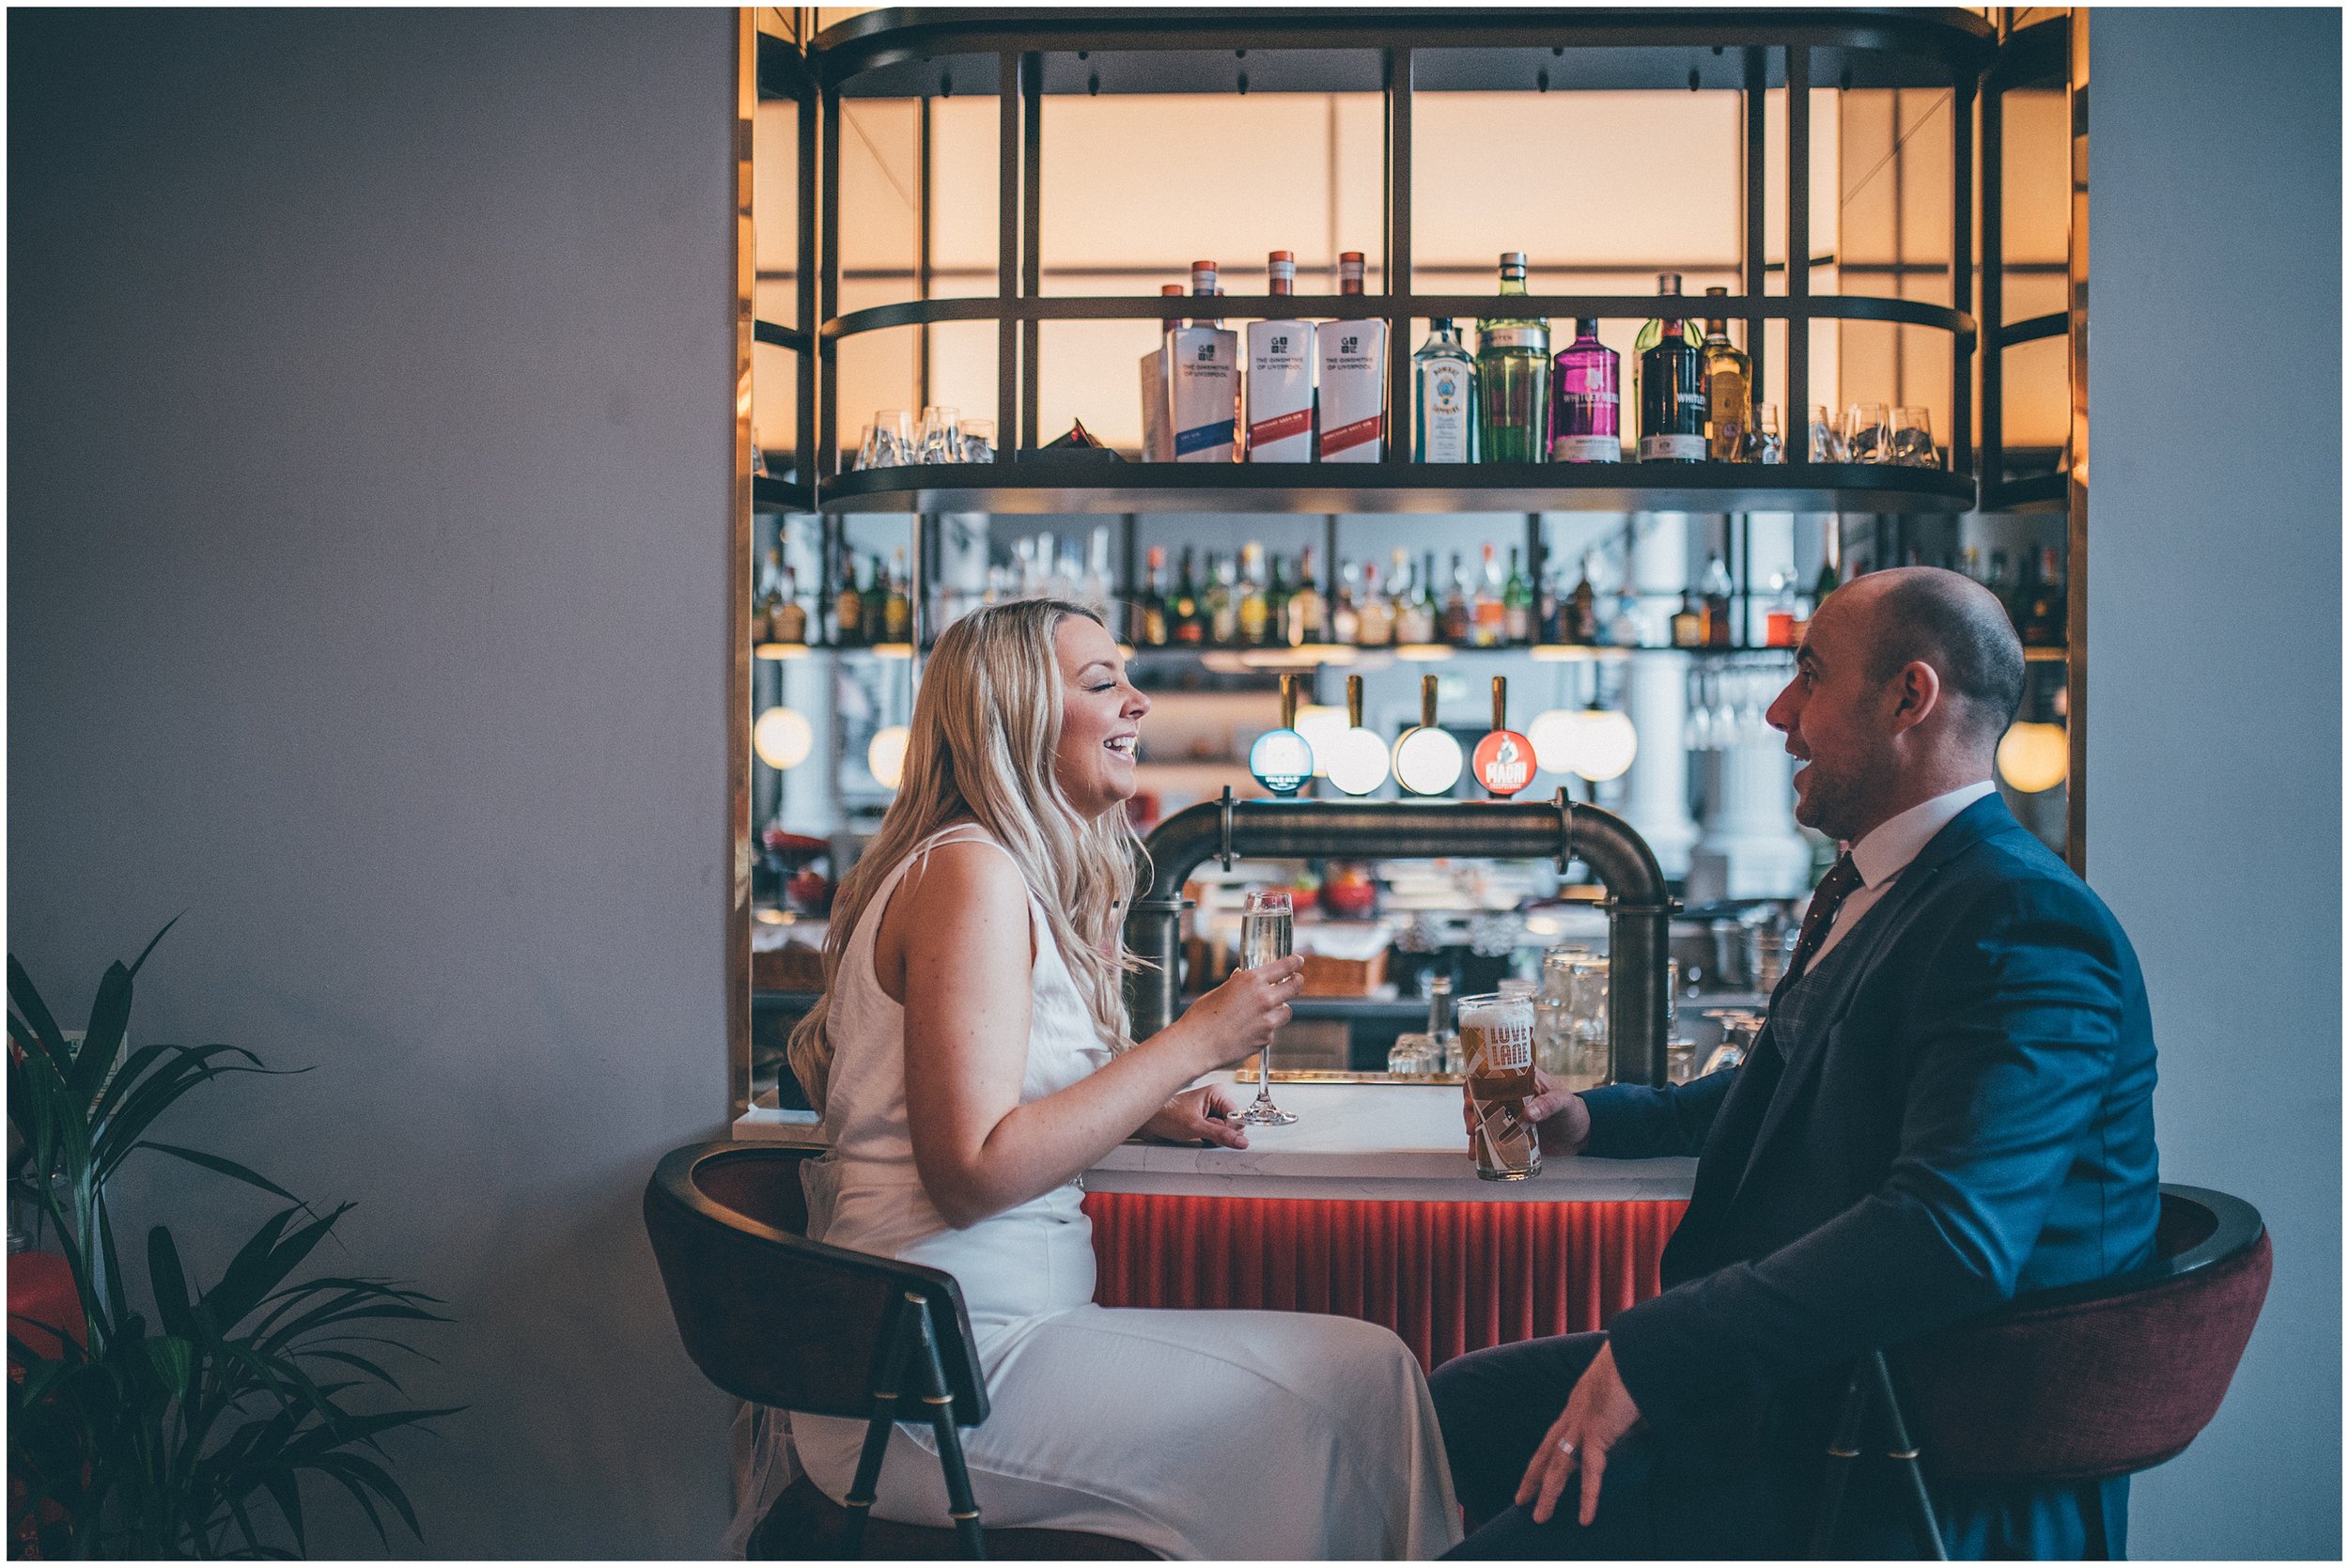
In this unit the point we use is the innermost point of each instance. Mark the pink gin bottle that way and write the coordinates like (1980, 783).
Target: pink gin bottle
(1585, 401)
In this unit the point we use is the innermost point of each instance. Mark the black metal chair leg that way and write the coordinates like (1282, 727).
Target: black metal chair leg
(963, 1505)
(1904, 1455)
(863, 1490)
(1842, 1453)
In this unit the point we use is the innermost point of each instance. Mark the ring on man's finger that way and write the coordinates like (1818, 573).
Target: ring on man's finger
(1565, 1448)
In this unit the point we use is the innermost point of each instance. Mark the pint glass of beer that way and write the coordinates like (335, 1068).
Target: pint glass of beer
(1497, 1038)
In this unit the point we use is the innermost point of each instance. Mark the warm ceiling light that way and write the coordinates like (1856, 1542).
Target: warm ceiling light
(1553, 736)
(2035, 757)
(782, 737)
(886, 756)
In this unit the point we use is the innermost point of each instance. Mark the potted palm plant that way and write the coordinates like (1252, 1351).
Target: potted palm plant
(184, 1430)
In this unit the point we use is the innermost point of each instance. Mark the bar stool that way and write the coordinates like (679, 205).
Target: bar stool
(2082, 1383)
(774, 1318)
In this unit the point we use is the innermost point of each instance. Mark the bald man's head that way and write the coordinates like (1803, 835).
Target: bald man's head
(1947, 620)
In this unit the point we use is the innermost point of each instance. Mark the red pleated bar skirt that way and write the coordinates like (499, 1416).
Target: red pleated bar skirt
(1447, 1277)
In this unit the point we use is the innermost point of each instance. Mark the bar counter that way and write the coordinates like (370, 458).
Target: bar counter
(1368, 1206)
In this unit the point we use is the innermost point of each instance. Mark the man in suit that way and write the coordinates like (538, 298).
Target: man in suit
(1952, 1102)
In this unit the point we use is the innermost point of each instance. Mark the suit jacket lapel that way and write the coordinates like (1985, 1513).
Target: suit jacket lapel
(1978, 821)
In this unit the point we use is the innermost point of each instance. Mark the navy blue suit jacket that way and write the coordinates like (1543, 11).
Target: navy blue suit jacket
(1974, 1118)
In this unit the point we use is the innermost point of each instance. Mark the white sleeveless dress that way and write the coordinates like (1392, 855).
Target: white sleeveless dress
(1218, 1435)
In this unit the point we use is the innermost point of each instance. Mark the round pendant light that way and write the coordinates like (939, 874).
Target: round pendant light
(886, 756)
(1605, 744)
(2035, 757)
(782, 738)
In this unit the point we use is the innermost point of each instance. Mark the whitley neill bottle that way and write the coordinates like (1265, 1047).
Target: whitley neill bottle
(1496, 1039)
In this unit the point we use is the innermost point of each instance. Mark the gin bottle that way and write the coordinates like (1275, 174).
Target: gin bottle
(1672, 384)
(1443, 380)
(1728, 391)
(1512, 378)
(1585, 401)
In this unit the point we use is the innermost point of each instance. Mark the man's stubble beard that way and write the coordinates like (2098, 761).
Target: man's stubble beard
(1834, 802)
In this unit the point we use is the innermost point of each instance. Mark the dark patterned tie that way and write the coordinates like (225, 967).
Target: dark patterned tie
(1827, 897)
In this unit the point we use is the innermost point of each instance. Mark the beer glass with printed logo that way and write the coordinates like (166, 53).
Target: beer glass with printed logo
(1497, 1038)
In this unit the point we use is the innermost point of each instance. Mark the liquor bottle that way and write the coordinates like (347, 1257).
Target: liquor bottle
(1443, 380)
(787, 621)
(1585, 399)
(877, 603)
(1549, 609)
(1350, 404)
(847, 607)
(897, 608)
(1688, 621)
(1433, 598)
(1582, 609)
(1216, 604)
(763, 598)
(1346, 616)
(1728, 391)
(1672, 384)
(1623, 625)
(1459, 615)
(1276, 607)
(1719, 597)
(1157, 435)
(1305, 605)
(1374, 626)
(1150, 627)
(1254, 615)
(1203, 381)
(1188, 626)
(1279, 386)
(2045, 622)
(1414, 620)
(1824, 586)
(1778, 627)
(1516, 606)
(1512, 379)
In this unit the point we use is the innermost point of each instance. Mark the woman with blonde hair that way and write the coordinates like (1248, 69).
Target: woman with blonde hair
(969, 1060)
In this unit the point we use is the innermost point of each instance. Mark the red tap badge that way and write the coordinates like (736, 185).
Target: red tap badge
(1503, 763)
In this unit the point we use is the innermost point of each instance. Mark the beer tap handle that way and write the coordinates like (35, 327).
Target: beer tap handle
(1354, 702)
(1427, 701)
(1501, 701)
(1288, 702)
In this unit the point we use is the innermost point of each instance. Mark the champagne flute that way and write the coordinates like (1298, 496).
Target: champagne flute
(1266, 932)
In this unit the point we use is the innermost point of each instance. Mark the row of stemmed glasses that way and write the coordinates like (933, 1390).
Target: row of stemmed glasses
(1874, 433)
(1727, 706)
(892, 441)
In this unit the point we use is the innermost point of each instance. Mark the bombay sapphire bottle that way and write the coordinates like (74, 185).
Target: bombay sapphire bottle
(1443, 428)
(1585, 400)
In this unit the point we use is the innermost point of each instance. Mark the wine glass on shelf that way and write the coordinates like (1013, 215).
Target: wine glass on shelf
(1867, 433)
(1266, 933)
(1827, 443)
(1912, 439)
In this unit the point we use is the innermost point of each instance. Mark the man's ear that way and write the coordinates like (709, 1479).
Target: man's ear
(1917, 694)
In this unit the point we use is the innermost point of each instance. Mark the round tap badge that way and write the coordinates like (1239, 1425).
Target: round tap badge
(1503, 763)
(1282, 761)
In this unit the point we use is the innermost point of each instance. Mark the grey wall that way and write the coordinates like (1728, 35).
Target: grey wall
(370, 397)
(2214, 741)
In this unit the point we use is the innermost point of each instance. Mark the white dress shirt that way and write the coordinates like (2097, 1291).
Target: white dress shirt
(1885, 852)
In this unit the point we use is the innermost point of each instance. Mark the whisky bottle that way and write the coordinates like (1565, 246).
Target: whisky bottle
(1444, 379)
(1512, 378)
(1305, 605)
(1150, 627)
(1374, 624)
(1719, 598)
(1585, 400)
(764, 598)
(1254, 615)
(896, 608)
(1689, 622)
(1346, 616)
(1350, 403)
(1459, 615)
(1186, 624)
(1279, 386)
(786, 622)
(847, 607)
(1582, 609)
(1728, 391)
(877, 603)
(1215, 603)
(1672, 384)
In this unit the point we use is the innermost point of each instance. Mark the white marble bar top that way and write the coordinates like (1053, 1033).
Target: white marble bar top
(1387, 1141)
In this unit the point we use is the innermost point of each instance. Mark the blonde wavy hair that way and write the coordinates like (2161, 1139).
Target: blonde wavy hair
(986, 727)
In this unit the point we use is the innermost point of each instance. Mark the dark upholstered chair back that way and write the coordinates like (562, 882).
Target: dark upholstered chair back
(777, 1319)
(2102, 1380)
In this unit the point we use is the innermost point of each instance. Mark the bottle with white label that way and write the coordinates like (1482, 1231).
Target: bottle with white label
(1443, 377)
(1281, 377)
(1512, 378)
(1202, 378)
(1672, 382)
(1350, 404)
(1157, 436)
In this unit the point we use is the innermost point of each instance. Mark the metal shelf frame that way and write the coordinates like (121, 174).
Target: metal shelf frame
(1022, 55)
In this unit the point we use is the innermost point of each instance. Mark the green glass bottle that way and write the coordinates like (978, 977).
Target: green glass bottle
(1512, 378)
(1276, 607)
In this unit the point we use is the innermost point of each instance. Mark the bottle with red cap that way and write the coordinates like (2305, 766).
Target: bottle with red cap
(1350, 402)
(1280, 387)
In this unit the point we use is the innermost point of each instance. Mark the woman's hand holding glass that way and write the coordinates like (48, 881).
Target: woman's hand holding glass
(1239, 1017)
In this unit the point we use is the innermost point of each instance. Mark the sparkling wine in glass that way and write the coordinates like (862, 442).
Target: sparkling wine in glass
(1266, 933)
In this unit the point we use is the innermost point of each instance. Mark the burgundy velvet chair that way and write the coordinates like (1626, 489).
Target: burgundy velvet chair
(2083, 1383)
(774, 1318)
